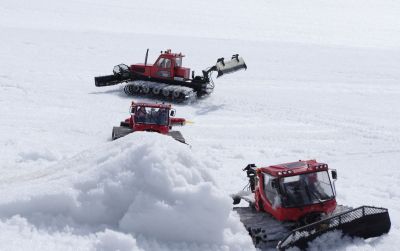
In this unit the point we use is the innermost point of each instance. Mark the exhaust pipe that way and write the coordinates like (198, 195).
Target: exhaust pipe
(145, 59)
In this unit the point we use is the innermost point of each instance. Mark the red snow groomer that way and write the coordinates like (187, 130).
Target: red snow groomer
(151, 118)
(293, 203)
(167, 78)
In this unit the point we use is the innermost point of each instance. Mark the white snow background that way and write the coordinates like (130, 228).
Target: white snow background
(322, 82)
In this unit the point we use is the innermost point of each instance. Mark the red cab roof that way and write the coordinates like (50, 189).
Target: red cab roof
(171, 54)
(294, 168)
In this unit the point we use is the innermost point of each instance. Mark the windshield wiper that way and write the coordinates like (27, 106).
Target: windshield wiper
(318, 198)
(312, 193)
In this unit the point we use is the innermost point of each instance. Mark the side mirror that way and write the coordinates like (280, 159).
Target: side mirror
(172, 113)
(274, 183)
(334, 174)
(132, 110)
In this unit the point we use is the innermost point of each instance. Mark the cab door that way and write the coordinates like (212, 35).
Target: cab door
(163, 68)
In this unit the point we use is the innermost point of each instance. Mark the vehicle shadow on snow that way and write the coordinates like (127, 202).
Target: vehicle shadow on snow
(116, 91)
(206, 109)
(145, 98)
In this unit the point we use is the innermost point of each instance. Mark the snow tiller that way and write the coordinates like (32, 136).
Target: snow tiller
(293, 203)
(167, 78)
(152, 118)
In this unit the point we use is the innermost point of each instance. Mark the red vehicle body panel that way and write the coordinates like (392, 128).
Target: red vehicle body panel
(290, 213)
(156, 128)
(177, 121)
(141, 69)
(182, 72)
(163, 71)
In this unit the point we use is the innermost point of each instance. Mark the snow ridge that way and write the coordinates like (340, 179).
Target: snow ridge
(157, 189)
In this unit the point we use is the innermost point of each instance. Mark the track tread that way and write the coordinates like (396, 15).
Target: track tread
(160, 90)
(273, 230)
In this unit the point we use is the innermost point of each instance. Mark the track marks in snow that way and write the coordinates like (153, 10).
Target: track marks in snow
(37, 155)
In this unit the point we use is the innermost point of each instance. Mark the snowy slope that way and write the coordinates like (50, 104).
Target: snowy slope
(156, 188)
(322, 83)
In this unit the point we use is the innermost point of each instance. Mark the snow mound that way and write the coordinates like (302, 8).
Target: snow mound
(19, 234)
(144, 184)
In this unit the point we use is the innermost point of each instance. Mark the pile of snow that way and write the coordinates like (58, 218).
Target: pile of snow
(322, 83)
(144, 185)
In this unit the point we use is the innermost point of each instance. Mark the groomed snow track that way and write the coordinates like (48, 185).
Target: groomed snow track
(165, 91)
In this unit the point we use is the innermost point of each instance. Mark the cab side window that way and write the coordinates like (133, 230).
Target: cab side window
(178, 62)
(270, 192)
(164, 63)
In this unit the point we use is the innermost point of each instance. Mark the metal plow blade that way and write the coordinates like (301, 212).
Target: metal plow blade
(364, 222)
(107, 80)
(120, 131)
(235, 64)
(121, 73)
(177, 136)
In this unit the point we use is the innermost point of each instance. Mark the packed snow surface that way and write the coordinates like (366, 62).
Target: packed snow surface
(322, 82)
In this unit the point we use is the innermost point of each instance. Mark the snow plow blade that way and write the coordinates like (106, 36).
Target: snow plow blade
(364, 222)
(120, 131)
(177, 136)
(108, 80)
(233, 65)
(121, 73)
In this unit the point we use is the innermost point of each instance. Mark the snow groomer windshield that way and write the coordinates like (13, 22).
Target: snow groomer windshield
(306, 189)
